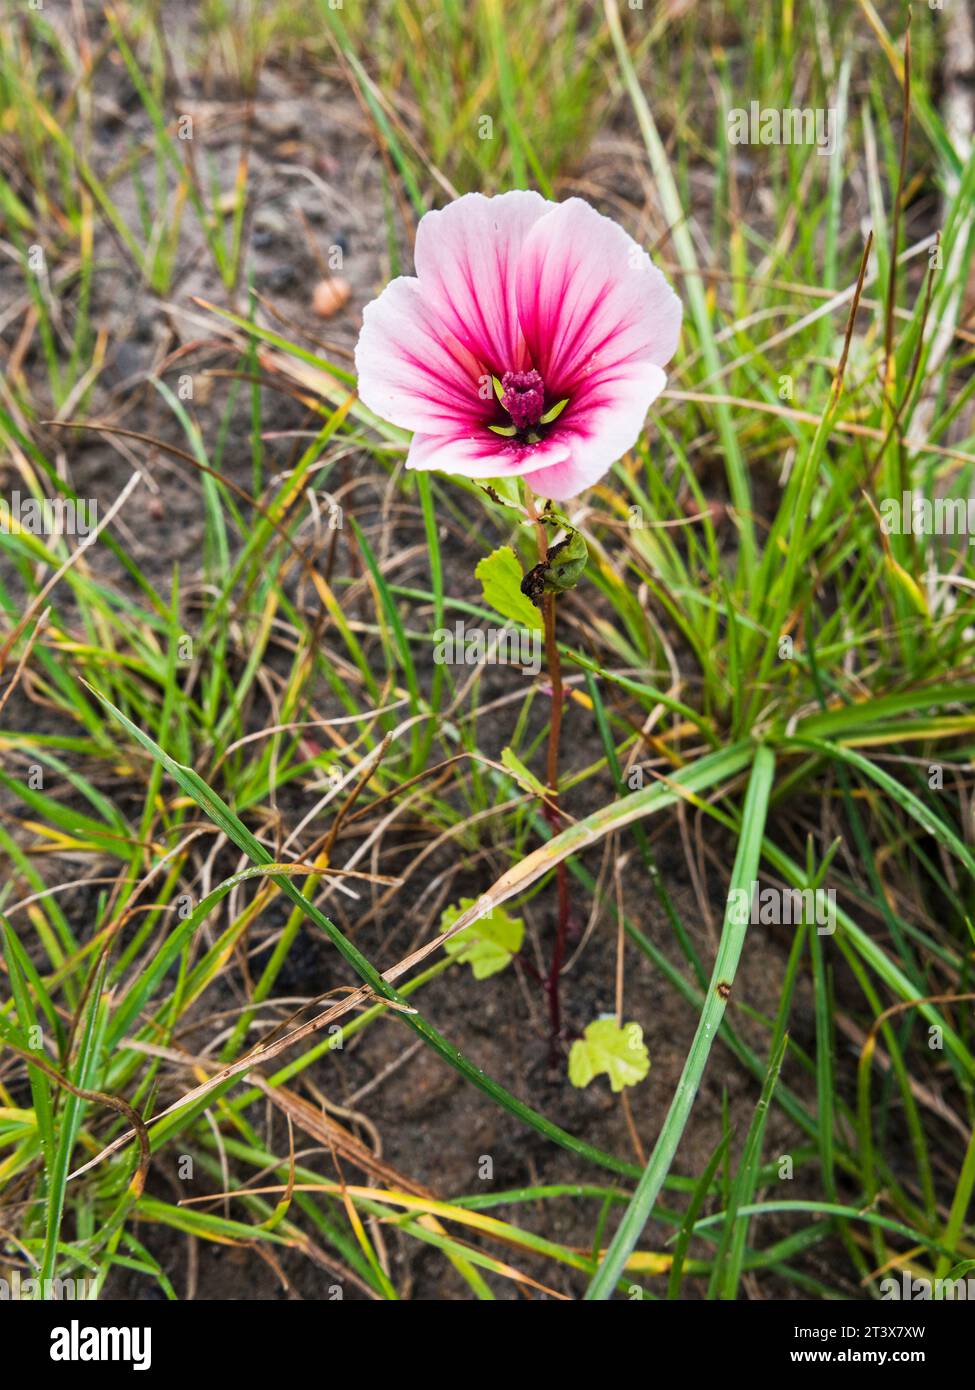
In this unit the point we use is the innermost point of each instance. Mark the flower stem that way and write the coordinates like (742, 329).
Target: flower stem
(550, 808)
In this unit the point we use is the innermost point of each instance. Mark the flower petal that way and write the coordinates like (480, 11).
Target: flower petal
(410, 370)
(466, 258)
(479, 454)
(590, 298)
(599, 429)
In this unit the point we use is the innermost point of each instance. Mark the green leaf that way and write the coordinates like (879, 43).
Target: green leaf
(500, 576)
(564, 565)
(566, 562)
(505, 491)
(522, 775)
(487, 945)
(605, 1047)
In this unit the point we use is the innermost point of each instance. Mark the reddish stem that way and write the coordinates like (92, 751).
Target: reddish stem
(550, 807)
(552, 815)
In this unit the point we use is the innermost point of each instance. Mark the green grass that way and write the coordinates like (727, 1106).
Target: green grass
(202, 760)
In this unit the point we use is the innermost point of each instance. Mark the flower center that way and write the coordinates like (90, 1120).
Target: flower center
(523, 397)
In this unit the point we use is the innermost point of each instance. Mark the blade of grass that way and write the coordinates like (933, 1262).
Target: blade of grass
(722, 978)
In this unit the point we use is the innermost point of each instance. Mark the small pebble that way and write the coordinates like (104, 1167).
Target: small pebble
(329, 296)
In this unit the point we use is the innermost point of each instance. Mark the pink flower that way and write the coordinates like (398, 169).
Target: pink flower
(531, 342)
